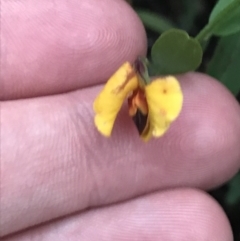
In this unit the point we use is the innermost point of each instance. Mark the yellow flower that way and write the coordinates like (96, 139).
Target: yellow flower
(153, 105)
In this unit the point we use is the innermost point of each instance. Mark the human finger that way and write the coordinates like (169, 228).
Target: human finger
(54, 162)
(182, 214)
(52, 48)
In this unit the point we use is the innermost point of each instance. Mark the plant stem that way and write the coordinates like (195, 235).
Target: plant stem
(141, 68)
(208, 30)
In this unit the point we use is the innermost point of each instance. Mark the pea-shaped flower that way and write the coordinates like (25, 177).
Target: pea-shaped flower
(153, 104)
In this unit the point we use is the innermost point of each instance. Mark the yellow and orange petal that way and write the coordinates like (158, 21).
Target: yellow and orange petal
(109, 101)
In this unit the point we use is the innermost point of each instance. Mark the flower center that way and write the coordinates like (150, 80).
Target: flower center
(138, 109)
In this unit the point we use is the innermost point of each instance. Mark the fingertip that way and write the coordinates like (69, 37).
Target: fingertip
(209, 127)
(177, 214)
(67, 46)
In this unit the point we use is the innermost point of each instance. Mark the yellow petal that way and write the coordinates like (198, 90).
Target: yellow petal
(165, 98)
(109, 101)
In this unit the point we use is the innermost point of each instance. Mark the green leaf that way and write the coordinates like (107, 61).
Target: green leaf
(154, 21)
(233, 195)
(225, 64)
(227, 14)
(175, 52)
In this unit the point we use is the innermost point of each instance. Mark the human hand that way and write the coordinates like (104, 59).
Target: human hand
(58, 172)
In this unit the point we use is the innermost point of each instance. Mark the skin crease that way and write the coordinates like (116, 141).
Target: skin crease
(61, 165)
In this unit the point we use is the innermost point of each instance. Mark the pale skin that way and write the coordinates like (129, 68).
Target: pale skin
(55, 165)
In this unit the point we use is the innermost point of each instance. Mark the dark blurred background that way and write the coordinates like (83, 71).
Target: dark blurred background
(192, 16)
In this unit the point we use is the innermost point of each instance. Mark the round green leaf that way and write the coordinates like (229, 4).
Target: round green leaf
(175, 52)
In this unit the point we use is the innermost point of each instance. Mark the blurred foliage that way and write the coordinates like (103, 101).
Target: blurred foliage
(230, 23)
(155, 22)
(225, 64)
(221, 58)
